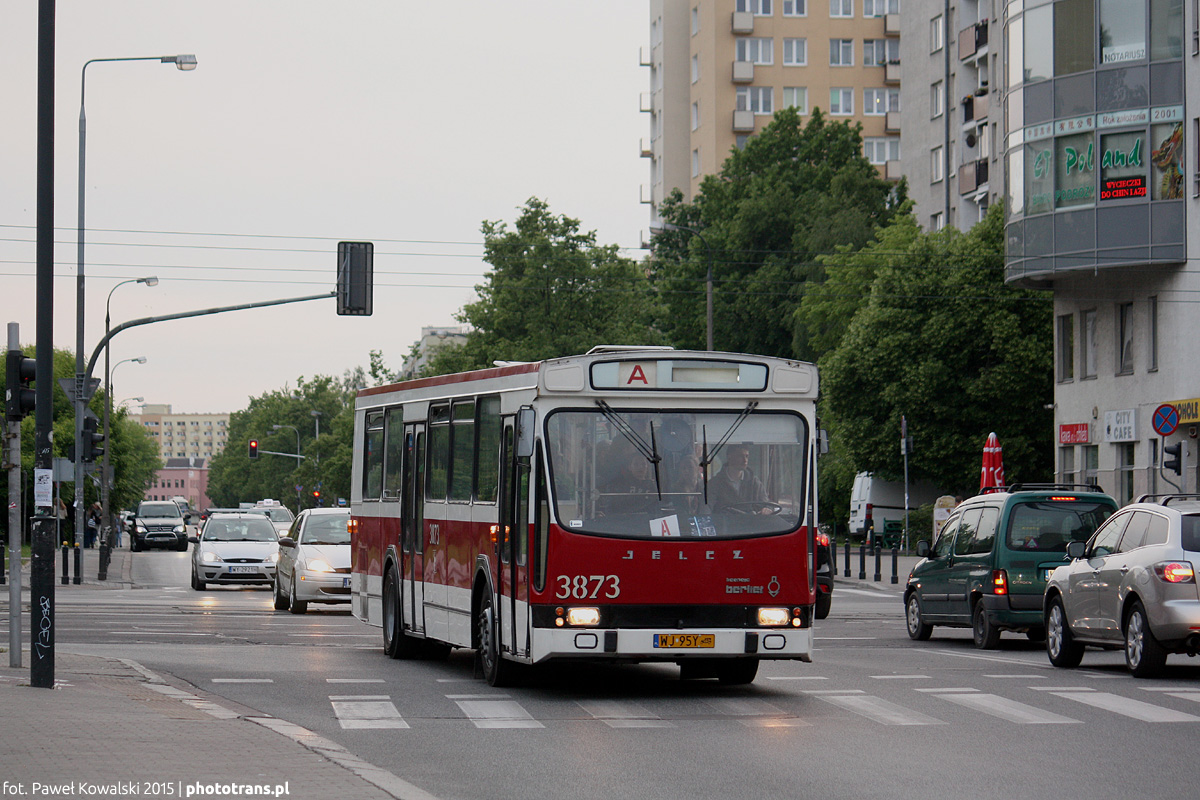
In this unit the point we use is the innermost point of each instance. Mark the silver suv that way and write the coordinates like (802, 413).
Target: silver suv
(1132, 584)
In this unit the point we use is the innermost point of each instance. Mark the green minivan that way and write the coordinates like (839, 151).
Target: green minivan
(988, 568)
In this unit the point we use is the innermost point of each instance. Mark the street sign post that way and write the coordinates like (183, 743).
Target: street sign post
(1166, 419)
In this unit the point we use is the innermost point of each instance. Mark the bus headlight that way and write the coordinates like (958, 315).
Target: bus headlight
(773, 617)
(583, 617)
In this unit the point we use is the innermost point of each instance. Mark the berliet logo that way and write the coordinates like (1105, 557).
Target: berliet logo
(742, 586)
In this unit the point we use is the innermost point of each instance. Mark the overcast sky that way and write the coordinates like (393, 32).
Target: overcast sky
(306, 122)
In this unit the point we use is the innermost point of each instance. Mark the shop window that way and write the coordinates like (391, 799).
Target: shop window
(1074, 36)
(1074, 170)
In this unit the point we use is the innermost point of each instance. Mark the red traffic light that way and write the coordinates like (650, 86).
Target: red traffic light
(253, 448)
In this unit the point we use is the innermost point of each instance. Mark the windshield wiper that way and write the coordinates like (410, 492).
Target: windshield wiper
(648, 451)
(708, 457)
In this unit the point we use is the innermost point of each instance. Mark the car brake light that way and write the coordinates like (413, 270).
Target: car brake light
(999, 581)
(1175, 572)
(823, 539)
(1065, 499)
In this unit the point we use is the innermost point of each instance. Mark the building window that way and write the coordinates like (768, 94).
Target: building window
(937, 100)
(1091, 463)
(877, 102)
(741, 139)
(756, 50)
(1072, 52)
(1088, 345)
(841, 102)
(695, 163)
(759, 8)
(1124, 338)
(1125, 459)
(796, 97)
(1124, 27)
(695, 68)
(695, 20)
(1066, 464)
(795, 52)
(881, 149)
(1153, 313)
(795, 8)
(937, 34)
(841, 52)
(755, 98)
(841, 8)
(1066, 347)
(878, 8)
(937, 164)
(937, 221)
(880, 52)
(695, 116)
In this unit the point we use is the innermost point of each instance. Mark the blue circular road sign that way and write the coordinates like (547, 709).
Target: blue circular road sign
(1166, 419)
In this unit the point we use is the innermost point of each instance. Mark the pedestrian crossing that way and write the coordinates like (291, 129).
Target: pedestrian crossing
(916, 706)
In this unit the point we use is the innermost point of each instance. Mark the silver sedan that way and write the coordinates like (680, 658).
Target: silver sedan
(314, 560)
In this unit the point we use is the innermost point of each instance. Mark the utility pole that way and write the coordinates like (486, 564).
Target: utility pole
(15, 509)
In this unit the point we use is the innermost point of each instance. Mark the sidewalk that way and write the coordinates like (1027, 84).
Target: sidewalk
(111, 726)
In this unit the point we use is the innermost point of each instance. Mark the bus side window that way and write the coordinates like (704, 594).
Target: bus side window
(438, 471)
(393, 453)
(541, 526)
(373, 457)
(487, 452)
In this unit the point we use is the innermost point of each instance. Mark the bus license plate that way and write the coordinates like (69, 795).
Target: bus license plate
(685, 640)
(243, 570)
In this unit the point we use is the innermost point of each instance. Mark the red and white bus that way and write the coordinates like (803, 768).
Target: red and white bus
(630, 504)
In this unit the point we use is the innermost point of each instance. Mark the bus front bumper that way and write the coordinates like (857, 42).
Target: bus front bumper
(672, 645)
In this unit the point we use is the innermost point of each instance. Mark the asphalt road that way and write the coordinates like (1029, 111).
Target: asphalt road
(875, 715)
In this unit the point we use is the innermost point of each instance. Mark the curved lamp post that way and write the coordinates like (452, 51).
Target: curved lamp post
(297, 430)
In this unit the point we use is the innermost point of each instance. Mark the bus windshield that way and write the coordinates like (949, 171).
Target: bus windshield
(646, 474)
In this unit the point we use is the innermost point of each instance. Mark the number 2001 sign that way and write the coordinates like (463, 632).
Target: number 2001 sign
(587, 587)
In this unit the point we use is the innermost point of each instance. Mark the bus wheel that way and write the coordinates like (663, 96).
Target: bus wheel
(496, 670)
(396, 643)
(738, 671)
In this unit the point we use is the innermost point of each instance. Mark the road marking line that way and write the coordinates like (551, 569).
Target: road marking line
(243, 680)
(617, 714)
(364, 712)
(1007, 709)
(354, 680)
(1062, 688)
(1193, 696)
(497, 714)
(833, 691)
(797, 678)
(359, 697)
(774, 722)
(1128, 707)
(947, 690)
(744, 708)
(880, 710)
(1019, 677)
(899, 677)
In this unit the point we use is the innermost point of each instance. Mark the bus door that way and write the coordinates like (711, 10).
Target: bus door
(412, 531)
(514, 548)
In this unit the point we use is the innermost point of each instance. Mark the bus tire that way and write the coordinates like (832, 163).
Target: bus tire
(738, 671)
(495, 668)
(396, 643)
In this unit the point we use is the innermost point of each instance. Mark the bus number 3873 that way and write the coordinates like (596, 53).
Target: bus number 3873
(577, 586)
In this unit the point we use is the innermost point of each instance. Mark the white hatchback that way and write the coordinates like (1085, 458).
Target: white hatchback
(234, 548)
(314, 560)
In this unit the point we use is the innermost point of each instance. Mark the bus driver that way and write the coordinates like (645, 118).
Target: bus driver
(736, 483)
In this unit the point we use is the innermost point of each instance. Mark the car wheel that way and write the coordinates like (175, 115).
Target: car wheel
(917, 628)
(281, 602)
(737, 672)
(1143, 654)
(496, 670)
(295, 606)
(987, 635)
(1061, 646)
(824, 601)
(396, 643)
(198, 584)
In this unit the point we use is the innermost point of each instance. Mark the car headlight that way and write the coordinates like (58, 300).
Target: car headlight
(318, 565)
(178, 529)
(273, 558)
(209, 557)
(140, 529)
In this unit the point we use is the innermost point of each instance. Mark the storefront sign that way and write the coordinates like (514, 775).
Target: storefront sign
(1167, 114)
(1122, 188)
(1189, 410)
(1074, 433)
(1043, 131)
(1077, 125)
(1120, 426)
(1113, 119)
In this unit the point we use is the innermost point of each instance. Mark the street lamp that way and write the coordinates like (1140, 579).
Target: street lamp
(316, 415)
(131, 399)
(708, 282)
(297, 430)
(182, 62)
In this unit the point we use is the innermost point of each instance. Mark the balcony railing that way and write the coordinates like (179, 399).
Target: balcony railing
(743, 71)
(743, 121)
(972, 39)
(743, 22)
(892, 72)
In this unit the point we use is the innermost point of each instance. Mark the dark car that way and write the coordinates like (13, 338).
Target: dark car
(158, 524)
(825, 570)
(988, 568)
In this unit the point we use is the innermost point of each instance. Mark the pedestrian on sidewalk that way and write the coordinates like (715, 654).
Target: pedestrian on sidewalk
(93, 526)
(65, 534)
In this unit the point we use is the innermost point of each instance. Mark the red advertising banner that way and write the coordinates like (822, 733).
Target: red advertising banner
(1074, 433)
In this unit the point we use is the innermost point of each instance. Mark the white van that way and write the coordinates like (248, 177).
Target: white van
(874, 501)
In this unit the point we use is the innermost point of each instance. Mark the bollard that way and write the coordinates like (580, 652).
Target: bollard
(3, 571)
(78, 563)
(862, 561)
(66, 559)
(846, 574)
(878, 559)
(105, 553)
(895, 563)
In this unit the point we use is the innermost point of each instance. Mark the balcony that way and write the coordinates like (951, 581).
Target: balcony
(892, 72)
(743, 72)
(644, 57)
(743, 22)
(891, 24)
(645, 194)
(975, 107)
(891, 122)
(971, 40)
(743, 122)
(972, 175)
(646, 102)
(646, 149)
(894, 171)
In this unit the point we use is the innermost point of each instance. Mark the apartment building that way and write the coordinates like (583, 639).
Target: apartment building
(720, 69)
(182, 477)
(952, 57)
(432, 339)
(184, 435)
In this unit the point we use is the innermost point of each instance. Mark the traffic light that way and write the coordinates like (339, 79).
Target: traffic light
(317, 496)
(92, 441)
(253, 448)
(355, 278)
(1174, 463)
(18, 395)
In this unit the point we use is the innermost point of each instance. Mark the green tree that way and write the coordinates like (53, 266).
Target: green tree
(552, 291)
(941, 339)
(793, 192)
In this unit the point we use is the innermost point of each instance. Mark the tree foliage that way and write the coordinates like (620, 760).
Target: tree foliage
(939, 338)
(551, 291)
(793, 192)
